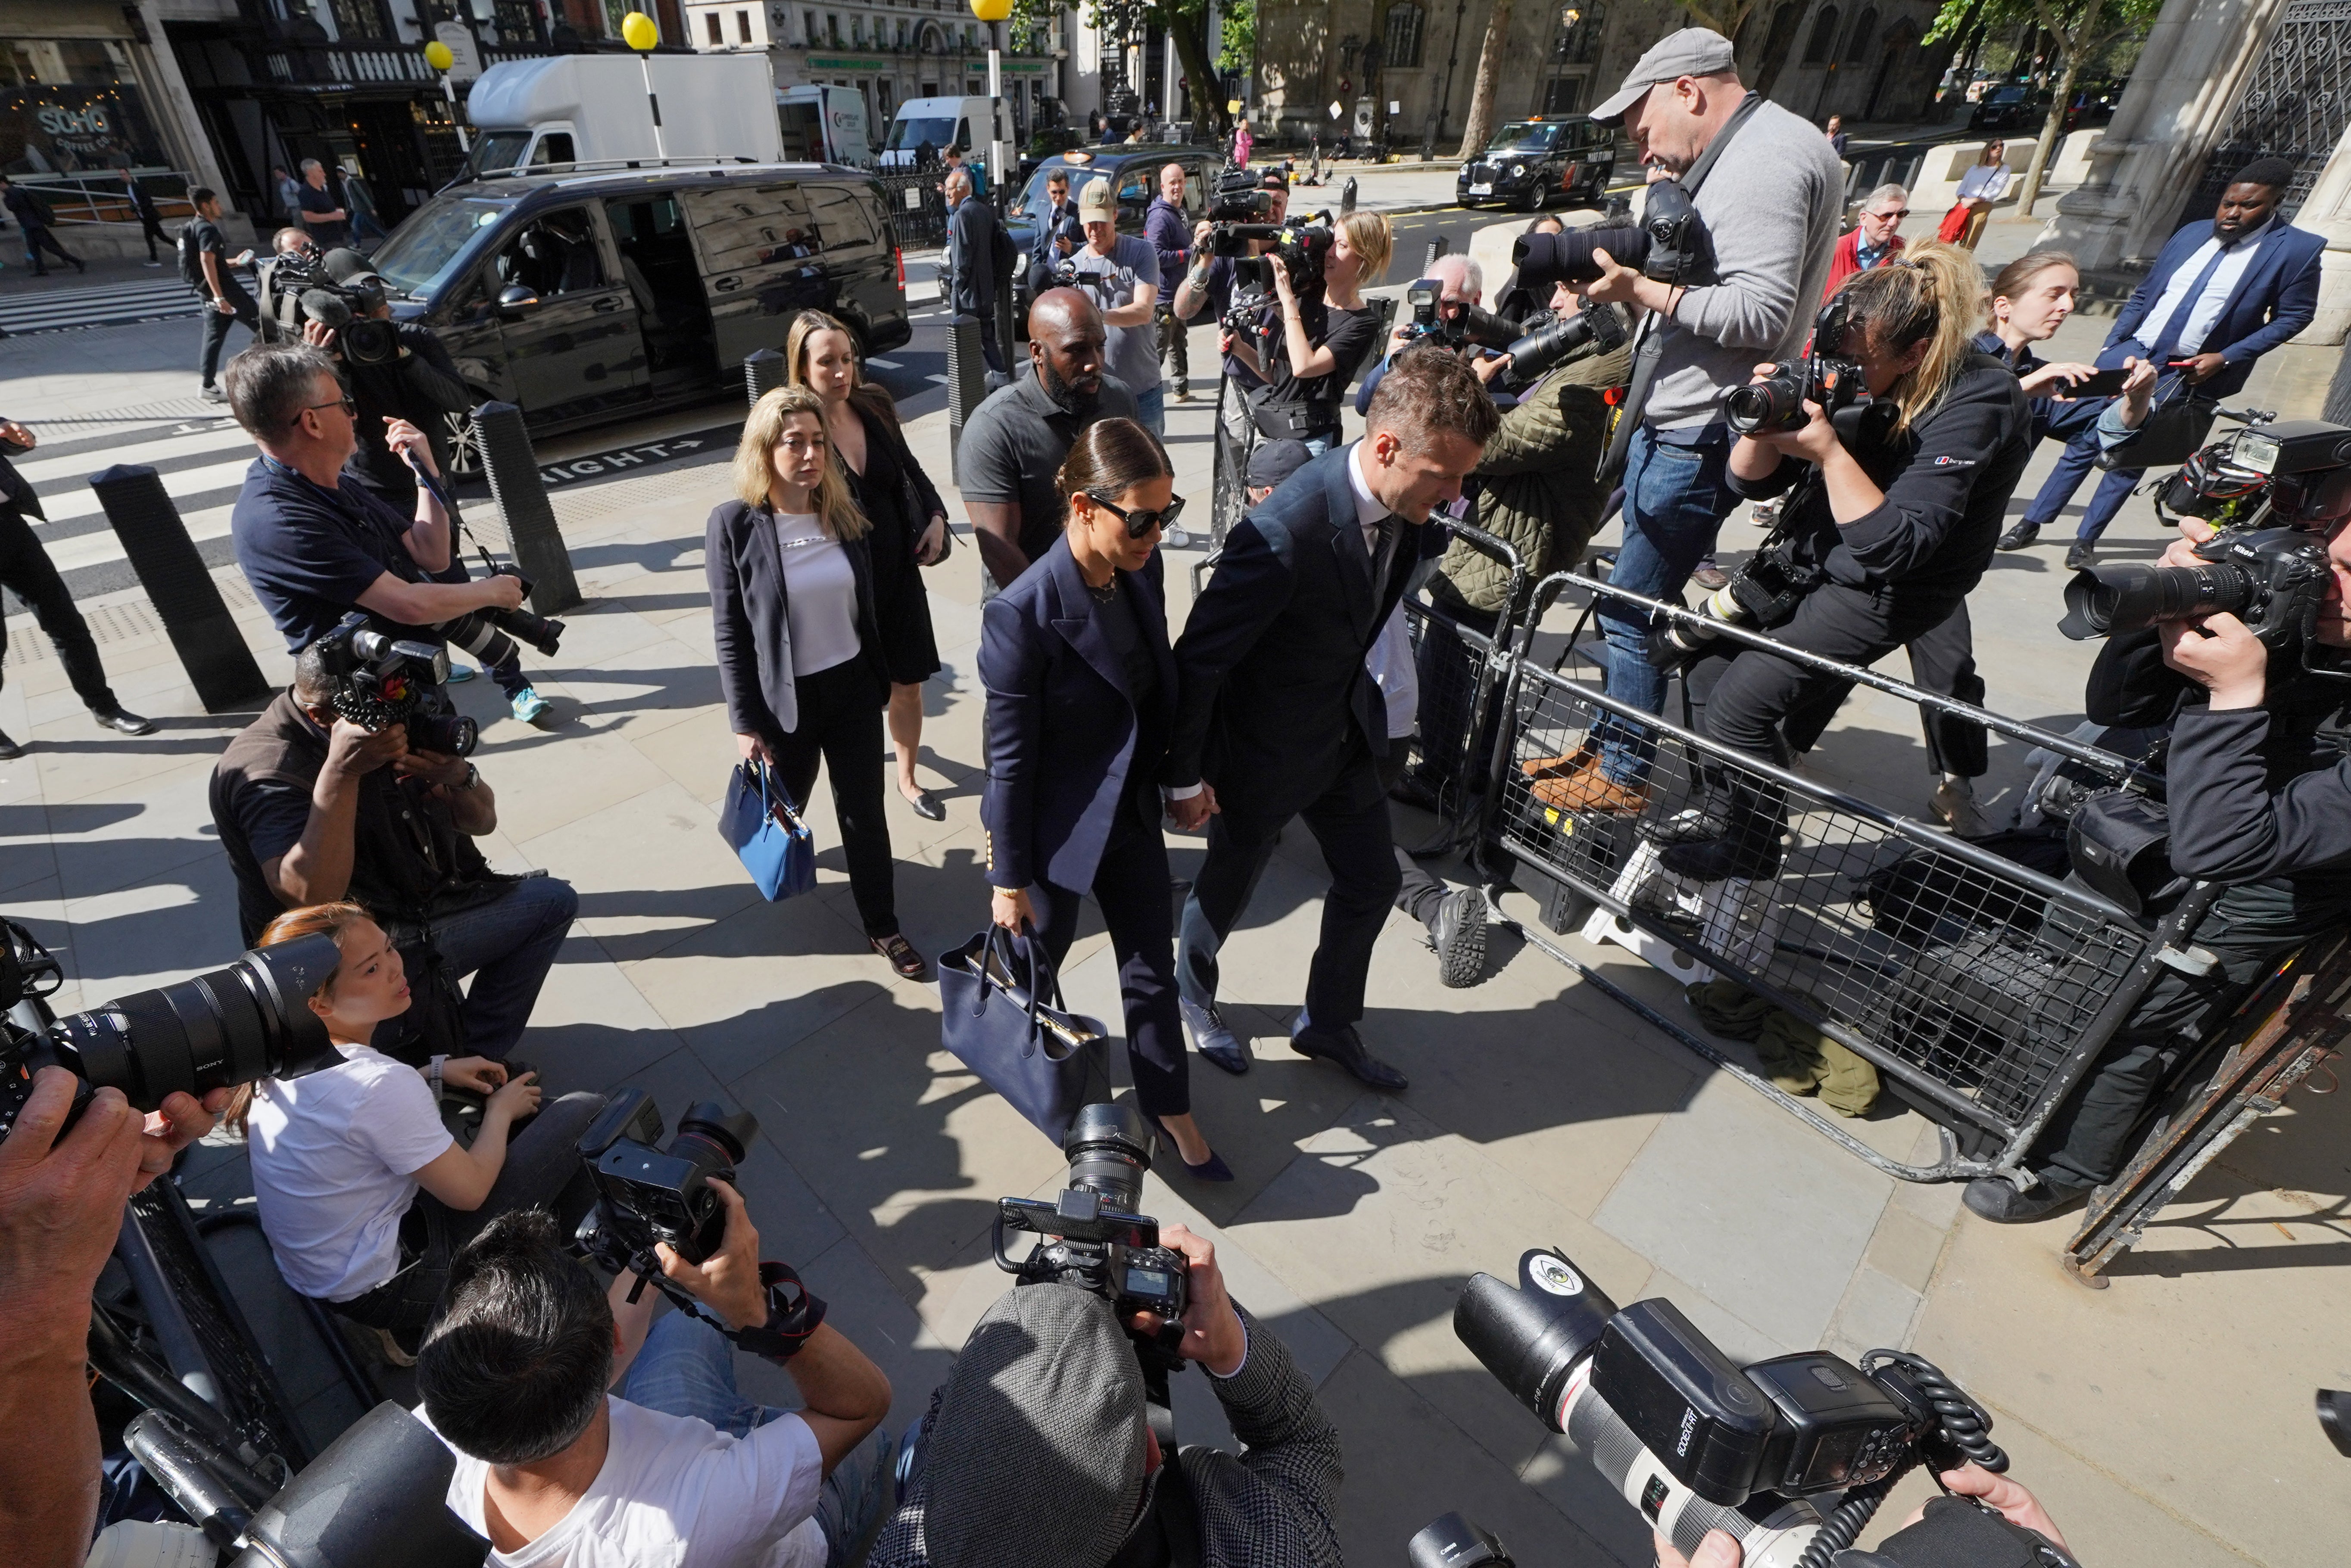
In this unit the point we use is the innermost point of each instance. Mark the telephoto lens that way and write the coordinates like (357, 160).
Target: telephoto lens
(2102, 600)
(1543, 260)
(1109, 1152)
(249, 1020)
(1454, 1542)
(1595, 329)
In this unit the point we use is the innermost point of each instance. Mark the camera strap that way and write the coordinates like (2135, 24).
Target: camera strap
(1650, 347)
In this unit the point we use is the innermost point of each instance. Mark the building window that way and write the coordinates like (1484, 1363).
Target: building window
(1577, 43)
(1856, 44)
(711, 28)
(811, 34)
(1563, 95)
(1823, 39)
(743, 27)
(857, 30)
(832, 29)
(1402, 48)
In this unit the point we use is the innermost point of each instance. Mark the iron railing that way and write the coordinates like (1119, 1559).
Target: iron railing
(83, 199)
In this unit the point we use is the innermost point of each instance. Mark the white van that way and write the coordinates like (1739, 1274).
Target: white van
(825, 125)
(591, 108)
(944, 122)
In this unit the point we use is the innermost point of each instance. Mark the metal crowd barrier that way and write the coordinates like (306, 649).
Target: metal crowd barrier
(1981, 989)
(1463, 669)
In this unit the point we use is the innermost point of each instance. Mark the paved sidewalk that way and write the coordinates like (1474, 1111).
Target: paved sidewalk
(2166, 1420)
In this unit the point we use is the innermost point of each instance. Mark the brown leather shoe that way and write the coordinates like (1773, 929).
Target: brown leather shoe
(1593, 790)
(1577, 761)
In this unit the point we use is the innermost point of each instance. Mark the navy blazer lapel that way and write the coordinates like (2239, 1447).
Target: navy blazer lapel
(1347, 542)
(1081, 631)
(1151, 620)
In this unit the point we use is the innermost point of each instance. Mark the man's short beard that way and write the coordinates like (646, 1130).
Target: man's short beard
(1065, 397)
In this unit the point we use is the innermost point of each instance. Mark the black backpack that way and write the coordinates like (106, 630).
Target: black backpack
(192, 261)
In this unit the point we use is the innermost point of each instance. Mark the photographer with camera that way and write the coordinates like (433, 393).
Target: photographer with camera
(587, 1433)
(1753, 212)
(1324, 326)
(2256, 799)
(364, 1195)
(1041, 1448)
(1894, 507)
(314, 807)
(1162, 225)
(316, 544)
(1121, 271)
(1213, 281)
(62, 1192)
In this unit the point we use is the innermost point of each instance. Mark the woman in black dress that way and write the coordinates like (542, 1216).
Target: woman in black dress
(910, 523)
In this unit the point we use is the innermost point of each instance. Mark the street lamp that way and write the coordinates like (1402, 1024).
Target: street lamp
(437, 55)
(993, 12)
(637, 31)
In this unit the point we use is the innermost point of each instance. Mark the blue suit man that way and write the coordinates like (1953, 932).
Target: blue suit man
(2219, 298)
(1277, 715)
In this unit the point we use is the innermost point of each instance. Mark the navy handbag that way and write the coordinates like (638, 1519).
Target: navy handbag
(1001, 1014)
(760, 824)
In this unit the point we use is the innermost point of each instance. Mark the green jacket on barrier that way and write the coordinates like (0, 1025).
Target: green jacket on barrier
(1536, 489)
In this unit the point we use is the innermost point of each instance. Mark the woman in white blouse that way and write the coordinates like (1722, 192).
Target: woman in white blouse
(799, 660)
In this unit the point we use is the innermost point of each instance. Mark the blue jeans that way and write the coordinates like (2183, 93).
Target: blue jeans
(1676, 498)
(687, 1368)
(507, 945)
(1152, 403)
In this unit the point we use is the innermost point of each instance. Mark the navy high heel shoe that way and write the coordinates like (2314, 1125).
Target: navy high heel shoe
(1212, 1168)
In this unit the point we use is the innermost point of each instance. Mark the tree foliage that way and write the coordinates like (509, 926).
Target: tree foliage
(1239, 51)
(1186, 24)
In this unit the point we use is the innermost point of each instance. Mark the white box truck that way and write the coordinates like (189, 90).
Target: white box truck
(825, 124)
(939, 124)
(593, 108)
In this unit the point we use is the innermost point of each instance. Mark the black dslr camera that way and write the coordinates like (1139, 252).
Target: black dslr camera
(230, 1026)
(1241, 198)
(1759, 594)
(1696, 1442)
(1298, 249)
(301, 287)
(2274, 579)
(647, 1194)
(1837, 384)
(1092, 1236)
(382, 679)
(1595, 329)
(1670, 245)
(1466, 326)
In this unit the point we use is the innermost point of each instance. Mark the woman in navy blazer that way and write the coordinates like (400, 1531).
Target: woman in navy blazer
(1081, 695)
(799, 660)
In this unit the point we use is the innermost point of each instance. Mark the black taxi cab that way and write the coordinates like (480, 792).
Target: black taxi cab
(1533, 163)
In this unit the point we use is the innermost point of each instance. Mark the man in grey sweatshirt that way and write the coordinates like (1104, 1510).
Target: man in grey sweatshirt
(1770, 201)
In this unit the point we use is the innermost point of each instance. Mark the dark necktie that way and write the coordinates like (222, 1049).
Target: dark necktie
(1391, 530)
(2167, 342)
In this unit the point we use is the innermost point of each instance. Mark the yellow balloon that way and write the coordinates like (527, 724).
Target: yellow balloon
(991, 10)
(637, 31)
(437, 55)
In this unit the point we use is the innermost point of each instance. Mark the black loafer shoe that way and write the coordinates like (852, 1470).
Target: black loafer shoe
(1989, 1197)
(1214, 1040)
(9, 749)
(1459, 934)
(123, 722)
(1345, 1047)
(2081, 555)
(1416, 789)
(2020, 536)
(926, 805)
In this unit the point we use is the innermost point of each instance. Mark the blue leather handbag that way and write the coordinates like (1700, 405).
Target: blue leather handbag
(1001, 1014)
(760, 822)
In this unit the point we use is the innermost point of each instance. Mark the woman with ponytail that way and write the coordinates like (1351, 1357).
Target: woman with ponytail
(364, 1195)
(1889, 536)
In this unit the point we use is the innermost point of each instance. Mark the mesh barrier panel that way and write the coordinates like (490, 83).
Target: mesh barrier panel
(1957, 977)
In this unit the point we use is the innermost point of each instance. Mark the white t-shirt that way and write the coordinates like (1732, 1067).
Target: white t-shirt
(335, 1156)
(820, 594)
(676, 1492)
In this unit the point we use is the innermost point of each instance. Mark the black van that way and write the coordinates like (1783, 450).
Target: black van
(590, 296)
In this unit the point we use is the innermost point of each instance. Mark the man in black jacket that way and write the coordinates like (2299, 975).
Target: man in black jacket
(32, 216)
(977, 246)
(142, 207)
(26, 571)
(2251, 806)
(1277, 715)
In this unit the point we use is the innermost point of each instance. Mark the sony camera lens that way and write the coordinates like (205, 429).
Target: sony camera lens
(229, 1026)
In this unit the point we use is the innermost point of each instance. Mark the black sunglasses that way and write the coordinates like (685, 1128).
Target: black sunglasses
(1142, 520)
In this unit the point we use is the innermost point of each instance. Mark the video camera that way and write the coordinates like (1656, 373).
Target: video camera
(382, 679)
(2274, 579)
(1241, 198)
(300, 288)
(249, 1020)
(1837, 384)
(1699, 1443)
(1093, 1237)
(1670, 245)
(1298, 248)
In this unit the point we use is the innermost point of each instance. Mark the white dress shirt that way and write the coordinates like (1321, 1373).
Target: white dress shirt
(1389, 660)
(2206, 311)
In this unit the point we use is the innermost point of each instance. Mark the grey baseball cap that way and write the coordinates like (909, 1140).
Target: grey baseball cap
(1692, 52)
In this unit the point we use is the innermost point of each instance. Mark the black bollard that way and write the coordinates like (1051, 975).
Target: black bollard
(1004, 315)
(210, 647)
(1428, 259)
(1347, 196)
(532, 539)
(967, 383)
(763, 372)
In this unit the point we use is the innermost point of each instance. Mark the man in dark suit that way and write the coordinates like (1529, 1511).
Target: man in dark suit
(974, 240)
(1277, 716)
(2219, 298)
